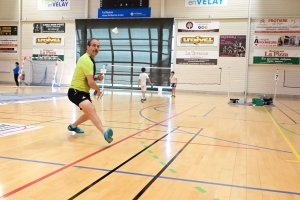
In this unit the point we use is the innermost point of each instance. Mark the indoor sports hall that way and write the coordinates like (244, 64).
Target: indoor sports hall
(230, 132)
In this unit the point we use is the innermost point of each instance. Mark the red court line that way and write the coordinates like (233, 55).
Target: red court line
(198, 143)
(81, 159)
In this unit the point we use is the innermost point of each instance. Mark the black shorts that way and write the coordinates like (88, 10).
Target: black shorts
(77, 96)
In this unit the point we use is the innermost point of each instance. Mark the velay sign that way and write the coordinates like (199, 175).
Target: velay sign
(283, 57)
(54, 4)
(197, 3)
(124, 12)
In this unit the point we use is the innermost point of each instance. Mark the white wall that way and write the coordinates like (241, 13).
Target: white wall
(233, 20)
(261, 77)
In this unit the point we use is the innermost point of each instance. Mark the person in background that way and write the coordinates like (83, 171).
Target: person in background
(173, 80)
(16, 74)
(143, 78)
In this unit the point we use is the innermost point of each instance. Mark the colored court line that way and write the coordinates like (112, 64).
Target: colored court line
(34, 161)
(284, 136)
(90, 155)
(287, 115)
(193, 181)
(221, 139)
(283, 126)
(112, 171)
(164, 168)
(209, 112)
(197, 143)
(200, 189)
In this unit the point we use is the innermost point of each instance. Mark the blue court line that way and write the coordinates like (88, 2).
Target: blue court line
(35, 161)
(283, 151)
(193, 181)
(161, 177)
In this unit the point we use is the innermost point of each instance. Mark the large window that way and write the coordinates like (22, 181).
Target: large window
(140, 43)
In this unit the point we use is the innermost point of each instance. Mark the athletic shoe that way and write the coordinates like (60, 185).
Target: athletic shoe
(142, 100)
(108, 135)
(77, 129)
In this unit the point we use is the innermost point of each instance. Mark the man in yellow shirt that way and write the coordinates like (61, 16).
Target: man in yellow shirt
(79, 92)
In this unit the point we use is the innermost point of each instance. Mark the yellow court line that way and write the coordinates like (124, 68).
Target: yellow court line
(292, 160)
(284, 137)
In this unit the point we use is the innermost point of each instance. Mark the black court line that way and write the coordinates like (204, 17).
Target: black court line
(209, 111)
(286, 115)
(288, 107)
(164, 168)
(113, 170)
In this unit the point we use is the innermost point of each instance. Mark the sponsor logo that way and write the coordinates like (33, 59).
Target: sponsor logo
(48, 40)
(198, 40)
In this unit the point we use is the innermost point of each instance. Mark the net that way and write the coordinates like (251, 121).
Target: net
(128, 76)
(41, 72)
(291, 78)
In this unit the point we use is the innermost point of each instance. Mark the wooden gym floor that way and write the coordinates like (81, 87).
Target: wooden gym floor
(194, 146)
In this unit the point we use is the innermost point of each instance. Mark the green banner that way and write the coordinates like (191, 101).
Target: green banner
(46, 57)
(276, 60)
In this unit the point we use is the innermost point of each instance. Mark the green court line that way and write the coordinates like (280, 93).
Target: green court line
(163, 163)
(150, 151)
(281, 125)
(200, 189)
(145, 146)
(173, 171)
(216, 199)
(139, 135)
(156, 157)
(143, 142)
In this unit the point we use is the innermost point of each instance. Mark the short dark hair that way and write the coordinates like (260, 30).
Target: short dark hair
(17, 63)
(143, 69)
(90, 41)
(173, 72)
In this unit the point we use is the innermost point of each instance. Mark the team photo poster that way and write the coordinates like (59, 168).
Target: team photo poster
(232, 46)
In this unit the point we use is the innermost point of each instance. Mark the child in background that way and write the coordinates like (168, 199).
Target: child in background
(173, 80)
(143, 78)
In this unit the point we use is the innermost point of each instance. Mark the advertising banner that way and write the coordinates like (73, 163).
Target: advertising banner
(48, 27)
(124, 12)
(48, 40)
(285, 57)
(8, 51)
(197, 57)
(9, 41)
(232, 46)
(277, 25)
(53, 4)
(276, 41)
(8, 30)
(205, 3)
(196, 41)
(198, 26)
(48, 54)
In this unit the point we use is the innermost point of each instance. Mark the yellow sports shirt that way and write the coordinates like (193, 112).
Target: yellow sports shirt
(84, 67)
